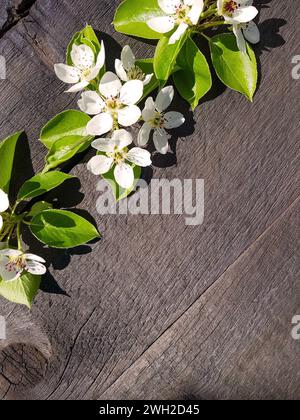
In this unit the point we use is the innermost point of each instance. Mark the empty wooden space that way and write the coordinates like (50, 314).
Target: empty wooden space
(158, 309)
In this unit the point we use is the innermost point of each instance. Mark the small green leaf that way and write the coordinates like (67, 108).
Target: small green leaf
(39, 207)
(7, 155)
(62, 229)
(41, 183)
(132, 15)
(119, 192)
(66, 148)
(235, 69)
(21, 291)
(194, 80)
(146, 66)
(166, 56)
(69, 124)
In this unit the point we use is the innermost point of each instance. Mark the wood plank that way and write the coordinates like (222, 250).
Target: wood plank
(146, 271)
(235, 342)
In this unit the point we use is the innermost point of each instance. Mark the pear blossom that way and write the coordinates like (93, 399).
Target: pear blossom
(13, 263)
(127, 69)
(115, 153)
(113, 106)
(86, 67)
(240, 14)
(4, 205)
(181, 13)
(156, 119)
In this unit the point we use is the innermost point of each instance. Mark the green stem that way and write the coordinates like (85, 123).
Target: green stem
(19, 236)
(201, 28)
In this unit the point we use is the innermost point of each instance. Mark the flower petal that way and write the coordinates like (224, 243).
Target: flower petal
(33, 257)
(121, 138)
(103, 145)
(4, 202)
(8, 252)
(101, 124)
(245, 14)
(78, 87)
(196, 10)
(124, 175)
(144, 135)
(162, 24)
(148, 79)
(149, 110)
(99, 64)
(241, 43)
(120, 70)
(91, 103)
(129, 115)
(67, 74)
(251, 32)
(9, 275)
(164, 98)
(140, 157)
(100, 164)
(173, 119)
(82, 56)
(169, 6)
(178, 33)
(127, 58)
(36, 268)
(110, 85)
(161, 141)
(131, 92)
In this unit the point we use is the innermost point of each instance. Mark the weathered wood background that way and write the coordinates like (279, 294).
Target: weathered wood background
(158, 309)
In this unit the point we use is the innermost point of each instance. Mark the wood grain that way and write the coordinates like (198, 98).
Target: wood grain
(147, 271)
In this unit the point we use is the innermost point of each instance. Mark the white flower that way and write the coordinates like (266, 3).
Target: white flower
(127, 70)
(4, 205)
(241, 14)
(240, 11)
(86, 67)
(14, 263)
(115, 104)
(116, 153)
(183, 13)
(155, 119)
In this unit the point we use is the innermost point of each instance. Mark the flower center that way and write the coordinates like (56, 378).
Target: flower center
(113, 104)
(118, 155)
(230, 7)
(158, 121)
(16, 264)
(182, 13)
(135, 73)
(85, 73)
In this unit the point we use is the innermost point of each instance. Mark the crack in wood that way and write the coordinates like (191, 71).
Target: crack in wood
(15, 11)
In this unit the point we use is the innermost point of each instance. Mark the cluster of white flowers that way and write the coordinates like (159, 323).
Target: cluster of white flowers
(13, 262)
(113, 107)
(183, 14)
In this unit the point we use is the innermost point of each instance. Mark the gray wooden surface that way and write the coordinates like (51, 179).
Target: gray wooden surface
(158, 309)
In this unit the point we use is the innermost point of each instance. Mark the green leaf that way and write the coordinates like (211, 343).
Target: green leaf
(146, 66)
(235, 69)
(69, 124)
(165, 57)
(62, 229)
(119, 192)
(194, 80)
(39, 207)
(41, 183)
(21, 291)
(7, 154)
(66, 148)
(132, 15)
